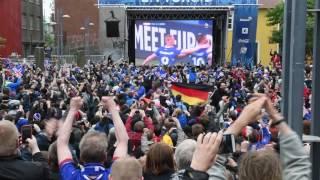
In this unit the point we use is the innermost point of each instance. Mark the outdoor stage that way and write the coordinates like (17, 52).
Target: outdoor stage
(176, 19)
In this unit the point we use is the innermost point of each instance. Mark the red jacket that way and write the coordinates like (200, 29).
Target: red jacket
(135, 137)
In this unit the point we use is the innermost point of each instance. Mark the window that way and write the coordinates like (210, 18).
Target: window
(24, 21)
(37, 23)
(31, 23)
(230, 21)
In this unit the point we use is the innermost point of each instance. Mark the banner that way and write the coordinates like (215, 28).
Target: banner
(175, 2)
(244, 35)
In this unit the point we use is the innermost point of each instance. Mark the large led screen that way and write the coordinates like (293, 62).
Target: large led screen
(173, 42)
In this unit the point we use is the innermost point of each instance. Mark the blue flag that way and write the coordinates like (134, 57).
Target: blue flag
(244, 35)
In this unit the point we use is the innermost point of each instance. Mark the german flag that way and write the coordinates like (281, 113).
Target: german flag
(191, 94)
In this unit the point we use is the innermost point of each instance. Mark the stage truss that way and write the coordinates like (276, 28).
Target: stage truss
(175, 12)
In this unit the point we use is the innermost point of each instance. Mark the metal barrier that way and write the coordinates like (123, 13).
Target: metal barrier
(64, 59)
(60, 59)
(95, 58)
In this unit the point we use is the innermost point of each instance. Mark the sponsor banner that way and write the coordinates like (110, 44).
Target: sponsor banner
(244, 35)
(176, 2)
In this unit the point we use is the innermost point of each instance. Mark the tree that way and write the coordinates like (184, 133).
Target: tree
(275, 17)
(49, 39)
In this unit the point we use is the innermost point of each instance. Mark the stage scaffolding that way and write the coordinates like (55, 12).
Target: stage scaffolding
(218, 13)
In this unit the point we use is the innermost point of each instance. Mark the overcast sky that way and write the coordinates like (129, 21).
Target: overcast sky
(47, 9)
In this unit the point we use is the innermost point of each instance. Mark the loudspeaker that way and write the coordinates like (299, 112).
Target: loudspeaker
(112, 28)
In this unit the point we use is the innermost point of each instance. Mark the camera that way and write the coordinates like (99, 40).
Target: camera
(228, 144)
(26, 132)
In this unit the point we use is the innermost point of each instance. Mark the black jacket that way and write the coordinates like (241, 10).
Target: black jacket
(162, 176)
(13, 167)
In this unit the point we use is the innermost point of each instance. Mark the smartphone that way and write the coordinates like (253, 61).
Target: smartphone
(228, 144)
(26, 132)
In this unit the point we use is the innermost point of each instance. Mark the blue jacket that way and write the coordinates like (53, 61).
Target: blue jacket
(13, 86)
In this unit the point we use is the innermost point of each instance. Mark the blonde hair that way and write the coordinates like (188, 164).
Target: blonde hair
(126, 169)
(9, 138)
(262, 165)
(93, 147)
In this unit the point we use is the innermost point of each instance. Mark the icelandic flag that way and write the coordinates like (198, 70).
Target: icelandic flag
(18, 70)
(6, 63)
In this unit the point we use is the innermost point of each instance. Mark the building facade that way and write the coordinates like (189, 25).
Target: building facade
(80, 28)
(32, 26)
(10, 27)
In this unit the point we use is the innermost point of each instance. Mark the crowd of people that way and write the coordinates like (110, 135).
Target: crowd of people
(121, 122)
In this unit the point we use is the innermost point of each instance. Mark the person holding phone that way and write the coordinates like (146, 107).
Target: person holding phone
(11, 164)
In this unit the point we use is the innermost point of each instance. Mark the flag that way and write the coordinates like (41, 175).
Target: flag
(192, 94)
(18, 70)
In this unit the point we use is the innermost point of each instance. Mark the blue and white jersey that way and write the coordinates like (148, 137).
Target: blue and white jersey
(200, 57)
(167, 56)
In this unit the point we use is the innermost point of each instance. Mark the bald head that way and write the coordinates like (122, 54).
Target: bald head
(9, 138)
(126, 169)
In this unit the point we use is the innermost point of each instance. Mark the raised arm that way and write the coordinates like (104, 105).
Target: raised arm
(247, 116)
(149, 58)
(295, 160)
(187, 52)
(65, 131)
(120, 130)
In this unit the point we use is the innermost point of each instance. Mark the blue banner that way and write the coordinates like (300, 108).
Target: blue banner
(176, 2)
(244, 35)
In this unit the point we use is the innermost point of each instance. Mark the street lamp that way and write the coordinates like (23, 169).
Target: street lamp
(91, 24)
(60, 18)
(84, 35)
(63, 17)
(66, 16)
(86, 29)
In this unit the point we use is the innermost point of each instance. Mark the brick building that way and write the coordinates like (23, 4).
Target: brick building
(10, 27)
(21, 26)
(81, 27)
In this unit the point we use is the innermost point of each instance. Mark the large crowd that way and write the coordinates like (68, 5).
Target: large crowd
(121, 122)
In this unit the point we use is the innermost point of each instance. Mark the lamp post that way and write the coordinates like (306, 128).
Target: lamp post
(61, 32)
(60, 18)
(91, 24)
(84, 35)
(86, 29)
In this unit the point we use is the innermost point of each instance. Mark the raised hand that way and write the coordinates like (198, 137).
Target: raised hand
(76, 103)
(32, 145)
(251, 111)
(270, 109)
(206, 151)
(108, 103)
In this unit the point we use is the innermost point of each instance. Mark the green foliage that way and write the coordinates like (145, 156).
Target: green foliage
(49, 40)
(275, 17)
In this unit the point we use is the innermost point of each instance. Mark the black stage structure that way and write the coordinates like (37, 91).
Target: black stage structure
(219, 14)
